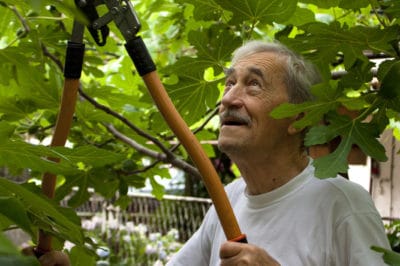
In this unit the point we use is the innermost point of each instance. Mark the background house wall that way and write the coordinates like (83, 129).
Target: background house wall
(385, 179)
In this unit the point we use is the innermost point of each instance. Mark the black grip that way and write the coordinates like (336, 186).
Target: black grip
(140, 56)
(74, 60)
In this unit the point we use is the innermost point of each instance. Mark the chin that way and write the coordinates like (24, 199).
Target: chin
(228, 147)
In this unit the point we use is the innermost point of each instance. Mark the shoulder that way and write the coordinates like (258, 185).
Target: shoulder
(349, 192)
(343, 198)
(236, 187)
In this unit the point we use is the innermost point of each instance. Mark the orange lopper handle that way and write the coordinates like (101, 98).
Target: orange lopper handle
(72, 73)
(63, 125)
(144, 64)
(192, 145)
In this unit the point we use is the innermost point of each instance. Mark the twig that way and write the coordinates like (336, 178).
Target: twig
(153, 154)
(127, 122)
(146, 168)
(52, 57)
(211, 113)
(22, 20)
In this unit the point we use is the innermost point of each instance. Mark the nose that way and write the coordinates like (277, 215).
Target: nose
(233, 98)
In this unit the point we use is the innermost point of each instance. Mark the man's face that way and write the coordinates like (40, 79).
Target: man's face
(254, 86)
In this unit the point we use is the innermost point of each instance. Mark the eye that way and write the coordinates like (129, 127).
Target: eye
(229, 84)
(254, 82)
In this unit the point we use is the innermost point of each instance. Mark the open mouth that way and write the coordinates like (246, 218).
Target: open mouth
(234, 122)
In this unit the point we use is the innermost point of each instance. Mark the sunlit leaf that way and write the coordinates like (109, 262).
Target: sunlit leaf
(262, 11)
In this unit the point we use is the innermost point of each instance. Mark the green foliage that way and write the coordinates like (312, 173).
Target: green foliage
(11, 256)
(30, 210)
(390, 257)
(118, 138)
(393, 233)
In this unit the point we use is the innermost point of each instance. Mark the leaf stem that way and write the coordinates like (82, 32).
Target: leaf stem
(367, 111)
(382, 22)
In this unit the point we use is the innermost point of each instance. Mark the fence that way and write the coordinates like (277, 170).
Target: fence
(182, 213)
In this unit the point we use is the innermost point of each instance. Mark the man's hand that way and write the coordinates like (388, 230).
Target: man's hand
(54, 258)
(233, 253)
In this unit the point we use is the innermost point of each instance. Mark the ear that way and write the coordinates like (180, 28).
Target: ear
(294, 130)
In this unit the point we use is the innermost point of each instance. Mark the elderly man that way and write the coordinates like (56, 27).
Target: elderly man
(290, 217)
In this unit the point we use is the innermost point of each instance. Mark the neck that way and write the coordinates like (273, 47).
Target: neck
(271, 171)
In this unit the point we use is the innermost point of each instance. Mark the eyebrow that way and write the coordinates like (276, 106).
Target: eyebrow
(256, 71)
(229, 71)
(253, 70)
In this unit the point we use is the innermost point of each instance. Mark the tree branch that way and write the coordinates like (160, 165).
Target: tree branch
(210, 113)
(173, 160)
(24, 24)
(52, 57)
(126, 122)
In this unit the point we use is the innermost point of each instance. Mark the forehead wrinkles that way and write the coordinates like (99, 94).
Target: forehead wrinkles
(271, 65)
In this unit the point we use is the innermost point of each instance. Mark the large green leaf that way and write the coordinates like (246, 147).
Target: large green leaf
(301, 16)
(6, 246)
(323, 4)
(364, 135)
(6, 130)
(44, 212)
(319, 134)
(389, 256)
(355, 5)
(357, 75)
(14, 210)
(342, 3)
(10, 255)
(214, 46)
(326, 41)
(81, 257)
(352, 132)
(259, 11)
(392, 8)
(22, 155)
(192, 94)
(204, 10)
(313, 112)
(335, 162)
(389, 75)
(89, 155)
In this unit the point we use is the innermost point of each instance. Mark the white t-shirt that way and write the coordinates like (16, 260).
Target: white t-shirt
(308, 221)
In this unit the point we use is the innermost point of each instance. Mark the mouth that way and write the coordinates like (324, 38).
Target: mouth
(230, 121)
